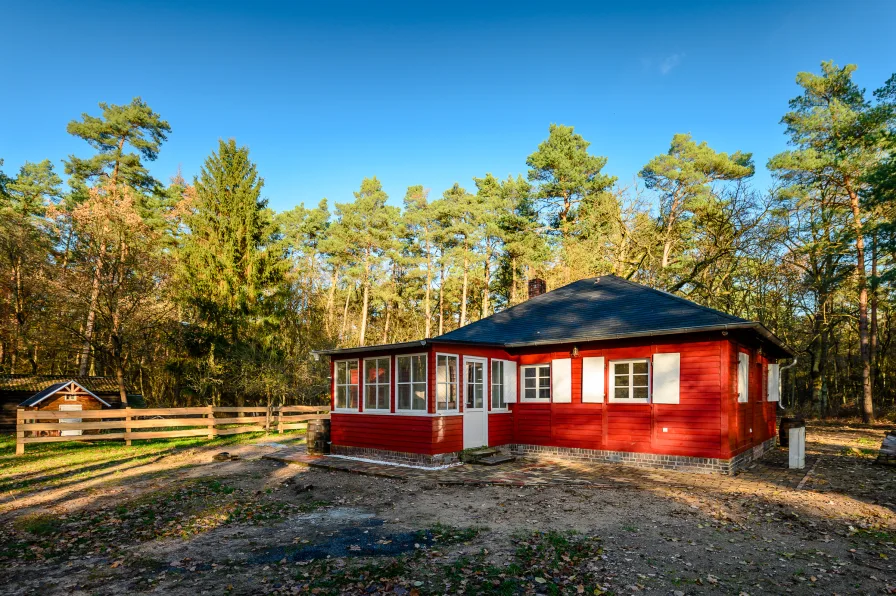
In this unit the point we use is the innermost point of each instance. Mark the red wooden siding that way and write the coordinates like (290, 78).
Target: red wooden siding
(707, 422)
(500, 429)
(408, 434)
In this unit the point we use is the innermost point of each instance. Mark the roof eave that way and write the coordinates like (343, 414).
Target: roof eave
(758, 327)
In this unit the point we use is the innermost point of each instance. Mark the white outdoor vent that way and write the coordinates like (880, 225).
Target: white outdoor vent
(666, 378)
(561, 381)
(509, 382)
(593, 380)
(774, 382)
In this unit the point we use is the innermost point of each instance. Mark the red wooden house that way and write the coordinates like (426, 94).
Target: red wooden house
(602, 369)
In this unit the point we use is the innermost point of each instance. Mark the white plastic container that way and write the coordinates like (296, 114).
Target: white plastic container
(797, 448)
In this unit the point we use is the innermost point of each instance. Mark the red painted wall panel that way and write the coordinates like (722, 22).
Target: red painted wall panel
(409, 434)
(708, 421)
(500, 429)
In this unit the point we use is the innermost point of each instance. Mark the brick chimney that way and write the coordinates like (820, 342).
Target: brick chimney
(537, 287)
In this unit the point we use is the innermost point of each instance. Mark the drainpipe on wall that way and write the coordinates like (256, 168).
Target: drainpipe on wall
(791, 365)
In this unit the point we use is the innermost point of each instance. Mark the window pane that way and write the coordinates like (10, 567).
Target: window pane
(529, 383)
(369, 397)
(383, 364)
(419, 370)
(639, 367)
(622, 381)
(530, 373)
(340, 396)
(452, 396)
(479, 397)
(639, 380)
(383, 397)
(404, 369)
(452, 370)
(419, 396)
(640, 392)
(621, 368)
(497, 396)
(497, 371)
(544, 372)
(353, 397)
(404, 397)
(340, 373)
(441, 369)
(529, 393)
(621, 393)
(544, 394)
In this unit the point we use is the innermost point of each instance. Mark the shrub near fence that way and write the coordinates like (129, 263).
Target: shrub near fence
(130, 424)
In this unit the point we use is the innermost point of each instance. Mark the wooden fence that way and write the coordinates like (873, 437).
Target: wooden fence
(131, 424)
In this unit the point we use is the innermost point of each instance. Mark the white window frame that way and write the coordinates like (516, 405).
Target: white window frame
(538, 385)
(71, 398)
(377, 385)
(448, 383)
(743, 382)
(500, 383)
(337, 385)
(612, 374)
(412, 382)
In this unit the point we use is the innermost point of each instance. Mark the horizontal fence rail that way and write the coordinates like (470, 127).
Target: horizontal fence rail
(131, 424)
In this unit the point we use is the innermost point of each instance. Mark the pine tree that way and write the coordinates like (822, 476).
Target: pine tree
(837, 134)
(134, 125)
(366, 230)
(683, 177)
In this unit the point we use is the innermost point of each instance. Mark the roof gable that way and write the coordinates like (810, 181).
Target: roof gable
(592, 309)
(56, 388)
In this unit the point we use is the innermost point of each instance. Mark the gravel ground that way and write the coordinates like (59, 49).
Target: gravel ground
(186, 525)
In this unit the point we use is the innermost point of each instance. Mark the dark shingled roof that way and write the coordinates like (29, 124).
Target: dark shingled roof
(20, 386)
(42, 395)
(607, 307)
(599, 308)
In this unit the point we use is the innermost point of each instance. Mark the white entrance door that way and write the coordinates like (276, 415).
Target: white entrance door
(70, 408)
(475, 411)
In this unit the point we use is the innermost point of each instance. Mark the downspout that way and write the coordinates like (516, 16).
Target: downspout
(781, 397)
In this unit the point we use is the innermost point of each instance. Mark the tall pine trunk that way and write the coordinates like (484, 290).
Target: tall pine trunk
(427, 308)
(442, 301)
(331, 300)
(84, 363)
(366, 300)
(864, 339)
(463, 294)
(874, 329)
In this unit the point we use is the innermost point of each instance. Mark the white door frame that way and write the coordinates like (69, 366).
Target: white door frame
(70, 408)
(477, 417)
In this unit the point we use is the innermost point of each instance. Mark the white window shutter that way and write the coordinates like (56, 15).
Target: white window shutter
(666, 378)
(509, 382)
(593, 380)
(743, 377)
(561, 381)
(774, 382)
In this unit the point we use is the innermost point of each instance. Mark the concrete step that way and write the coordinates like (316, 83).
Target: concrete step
(494, 460)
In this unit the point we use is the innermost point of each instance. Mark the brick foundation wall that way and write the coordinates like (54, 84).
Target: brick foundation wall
(398, 457)
(703, 465)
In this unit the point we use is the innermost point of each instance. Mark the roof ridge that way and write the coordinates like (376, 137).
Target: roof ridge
(680, 299)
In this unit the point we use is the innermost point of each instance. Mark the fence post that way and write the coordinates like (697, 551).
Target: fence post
(127, 426)
(280, 420)
(211, 422)
(20, 434)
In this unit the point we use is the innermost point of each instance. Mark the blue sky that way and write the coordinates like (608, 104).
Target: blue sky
(327, 93)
